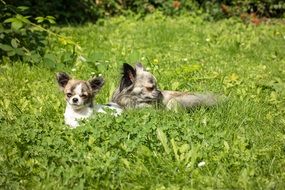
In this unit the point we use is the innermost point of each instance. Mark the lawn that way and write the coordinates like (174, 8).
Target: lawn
(239, 144)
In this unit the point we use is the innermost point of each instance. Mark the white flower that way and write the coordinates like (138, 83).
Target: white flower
(201, 164)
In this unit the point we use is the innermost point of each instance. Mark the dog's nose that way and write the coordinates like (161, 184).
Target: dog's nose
(75, 100)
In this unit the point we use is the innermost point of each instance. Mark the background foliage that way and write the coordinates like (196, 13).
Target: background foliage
(78, 11)
(20, 37)
(25, 25)
(28, 38)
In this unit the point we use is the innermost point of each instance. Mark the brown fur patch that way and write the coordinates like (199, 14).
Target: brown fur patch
(72, 84)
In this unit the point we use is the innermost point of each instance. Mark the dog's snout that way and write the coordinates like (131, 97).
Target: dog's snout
(74, 100)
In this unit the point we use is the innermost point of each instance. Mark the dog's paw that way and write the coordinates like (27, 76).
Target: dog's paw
(72, 123)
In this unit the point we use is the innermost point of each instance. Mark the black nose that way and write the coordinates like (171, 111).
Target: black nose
(75, 100)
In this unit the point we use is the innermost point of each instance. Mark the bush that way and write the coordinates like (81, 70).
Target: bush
(20, 37)
(80, 11)
(27, 37)
(24, 24)
(264, 8)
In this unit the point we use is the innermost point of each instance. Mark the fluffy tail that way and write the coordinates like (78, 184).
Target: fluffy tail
(174, 99)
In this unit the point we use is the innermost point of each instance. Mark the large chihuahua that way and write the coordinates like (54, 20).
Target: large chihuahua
(138, 88)
(79, 95)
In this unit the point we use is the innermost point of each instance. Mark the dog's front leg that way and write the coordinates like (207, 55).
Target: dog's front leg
(71, 122)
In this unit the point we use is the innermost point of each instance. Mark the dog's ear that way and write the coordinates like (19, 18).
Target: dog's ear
(62, 79)
(128, 78)
(139, 67)
(96, 83)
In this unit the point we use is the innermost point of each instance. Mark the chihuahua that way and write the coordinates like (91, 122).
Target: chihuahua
(79, 95)
(138, 88)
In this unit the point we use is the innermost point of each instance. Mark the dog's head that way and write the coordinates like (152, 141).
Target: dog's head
(138, 85)
(79, 93)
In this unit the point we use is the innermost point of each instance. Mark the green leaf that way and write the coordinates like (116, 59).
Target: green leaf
(50, 60)
(163, 139)
(175, 150)
(14, 42)
(16, 25)
(33, 57)
(184, 148)
(40, 19)
(175, 85)
(19, 51)
(23, 19)
(10, 20)
(125, 162)
(50, 17)
(6, 47)
(11, 53)
(23, 8)
(51, 21)
(144, 151)
(226, 145)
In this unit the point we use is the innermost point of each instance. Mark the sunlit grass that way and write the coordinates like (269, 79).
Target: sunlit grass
(237, 145)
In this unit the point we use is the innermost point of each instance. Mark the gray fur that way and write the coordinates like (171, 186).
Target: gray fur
(140, 90)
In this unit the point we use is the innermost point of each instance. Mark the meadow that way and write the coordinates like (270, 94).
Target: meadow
(239, 144)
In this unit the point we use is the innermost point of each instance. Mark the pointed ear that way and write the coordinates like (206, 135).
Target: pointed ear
(128, 78)
(62, 79)
(96, 83)
(139, 67)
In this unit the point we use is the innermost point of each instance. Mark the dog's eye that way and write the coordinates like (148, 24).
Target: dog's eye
(68, 95)
(83, 96)
(149, 88)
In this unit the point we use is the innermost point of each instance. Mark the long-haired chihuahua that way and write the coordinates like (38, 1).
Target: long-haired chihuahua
(79, 95)
(138, 88)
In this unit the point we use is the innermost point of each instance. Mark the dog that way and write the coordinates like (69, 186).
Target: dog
(79, 95)
(138, 88)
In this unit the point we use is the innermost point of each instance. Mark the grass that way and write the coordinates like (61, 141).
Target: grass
(241, 143)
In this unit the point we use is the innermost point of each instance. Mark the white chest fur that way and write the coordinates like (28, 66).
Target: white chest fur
(71, 116)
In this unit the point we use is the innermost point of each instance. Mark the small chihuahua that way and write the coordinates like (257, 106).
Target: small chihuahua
(138, 88)
(79, 96)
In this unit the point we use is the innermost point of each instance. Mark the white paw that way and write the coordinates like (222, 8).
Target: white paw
(72, 123)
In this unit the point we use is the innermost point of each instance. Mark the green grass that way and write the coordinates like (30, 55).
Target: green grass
(242, 141)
